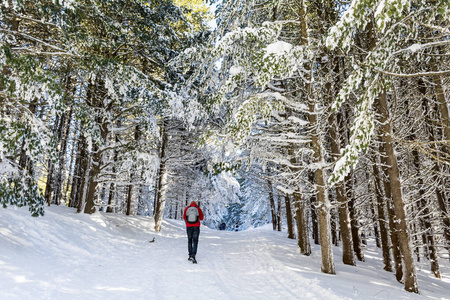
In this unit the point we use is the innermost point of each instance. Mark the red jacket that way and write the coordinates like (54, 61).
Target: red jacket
(200, 215)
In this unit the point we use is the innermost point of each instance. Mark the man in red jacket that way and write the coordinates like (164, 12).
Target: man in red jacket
(192, 216)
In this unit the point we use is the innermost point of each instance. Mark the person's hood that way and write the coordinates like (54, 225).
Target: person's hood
(193, 203)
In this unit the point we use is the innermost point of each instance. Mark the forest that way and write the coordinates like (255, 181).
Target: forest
(329, 118)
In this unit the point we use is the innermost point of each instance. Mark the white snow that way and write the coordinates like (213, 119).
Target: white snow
(65, 255)
(235, 70)
(6, 169)
(278, 48)
(298, 121)
(415, 47)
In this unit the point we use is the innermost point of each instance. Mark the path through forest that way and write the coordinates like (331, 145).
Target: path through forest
(65, 255)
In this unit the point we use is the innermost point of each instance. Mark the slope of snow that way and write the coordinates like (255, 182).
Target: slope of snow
(65, 255)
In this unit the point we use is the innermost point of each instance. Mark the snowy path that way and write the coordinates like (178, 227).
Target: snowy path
(65, 255)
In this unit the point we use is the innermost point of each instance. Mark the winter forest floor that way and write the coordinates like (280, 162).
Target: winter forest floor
(65, 255)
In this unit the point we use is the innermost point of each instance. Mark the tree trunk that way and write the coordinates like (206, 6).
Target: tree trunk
(76, 178)
(155, 198)
(129, 210)
(130, 200)
(425, 216)
(314, 220)
(302, 224)
(96, 166)
(84, 174)
(279, 219)
(65, 129)
(49, 184)
(162, 181)
(440, 196)
(356, 238)
(334, 228)
(176, 210)
(348, 256)
(323, 203)
(272, 204)
(89, 207)
(398, 263)
(443, 110)
(70, 180)
(300, 212)
(430, 252)
(375, 225)
(113, 186)
(111, 198)
(289, 217)
(411, 284)
(384, 231)
(324, 225)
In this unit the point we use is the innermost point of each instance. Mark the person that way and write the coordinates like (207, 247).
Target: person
(192, 217)
(222, 226)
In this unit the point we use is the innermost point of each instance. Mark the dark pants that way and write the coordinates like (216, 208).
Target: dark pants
(192, 233)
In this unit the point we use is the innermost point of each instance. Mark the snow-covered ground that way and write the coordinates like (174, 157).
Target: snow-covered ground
(65, 255)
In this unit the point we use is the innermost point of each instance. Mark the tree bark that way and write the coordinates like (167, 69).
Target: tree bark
(129, 210)
(429, 238)
(76, 178)
(381, 211)
(130, 200)
(50, 176)
(323, 203)
(111, 198)
(162, 180)
(89, 207)
(84, 174)
(410, 279)
(70, 180)
(314, 220)
(176, 210)
(302, 224)
(333, 223)
(96, 98)
(348, 256)
(398, 263)
(113, 186)
(272, 205)
(440, 196)
(356, 238)
(65, 129)
(375, 225)
(279, 219)
(289, 217)
(443, 110)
